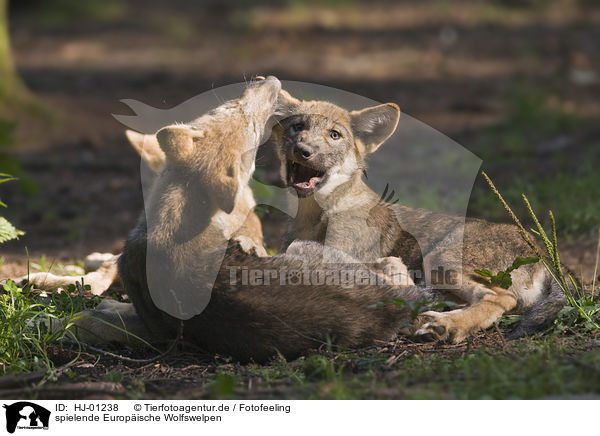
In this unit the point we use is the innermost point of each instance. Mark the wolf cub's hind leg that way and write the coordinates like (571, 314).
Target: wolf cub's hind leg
(110, 322)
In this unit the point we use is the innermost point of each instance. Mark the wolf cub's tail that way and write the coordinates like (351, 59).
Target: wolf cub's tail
(541, 313)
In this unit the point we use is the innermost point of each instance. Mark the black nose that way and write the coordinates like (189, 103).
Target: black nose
(302, 151)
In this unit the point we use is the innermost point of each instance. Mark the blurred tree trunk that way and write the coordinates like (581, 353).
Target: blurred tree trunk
(11, 85)
(7, 68)
(19, 108)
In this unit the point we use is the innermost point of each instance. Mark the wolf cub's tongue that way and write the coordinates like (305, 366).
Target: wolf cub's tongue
(304, 178)
(311, 184)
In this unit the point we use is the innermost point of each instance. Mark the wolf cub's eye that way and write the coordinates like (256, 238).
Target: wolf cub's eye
(335, 134)
(297, 127)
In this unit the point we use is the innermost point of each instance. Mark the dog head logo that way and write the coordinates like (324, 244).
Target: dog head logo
(26, 415)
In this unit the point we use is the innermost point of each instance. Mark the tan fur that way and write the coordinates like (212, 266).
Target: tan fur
(100, 275)
(249, 235)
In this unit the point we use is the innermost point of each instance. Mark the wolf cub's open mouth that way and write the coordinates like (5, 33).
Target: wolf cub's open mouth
(302, 178)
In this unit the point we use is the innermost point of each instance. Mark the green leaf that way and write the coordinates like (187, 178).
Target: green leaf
(398, 302)
(520, 261)
(113, 376)
(8, 231)
(502, 279)
(10, 286)
(484, 272)
(6, 177)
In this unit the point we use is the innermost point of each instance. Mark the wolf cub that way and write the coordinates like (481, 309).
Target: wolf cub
(323, 148)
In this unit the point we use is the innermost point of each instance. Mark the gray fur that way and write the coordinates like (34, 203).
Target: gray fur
(341, 204)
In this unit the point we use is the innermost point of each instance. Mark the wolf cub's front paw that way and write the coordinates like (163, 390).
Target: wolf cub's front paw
(394, 271)
(248, 246)
(438, 326)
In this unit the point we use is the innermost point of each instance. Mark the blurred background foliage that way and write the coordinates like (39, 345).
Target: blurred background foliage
(515, 81)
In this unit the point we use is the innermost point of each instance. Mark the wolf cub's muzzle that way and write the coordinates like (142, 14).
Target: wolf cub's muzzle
(302, 151)
(303, 178)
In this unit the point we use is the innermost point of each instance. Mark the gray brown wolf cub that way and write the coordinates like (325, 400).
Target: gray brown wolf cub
(323, 147)
(208, 165)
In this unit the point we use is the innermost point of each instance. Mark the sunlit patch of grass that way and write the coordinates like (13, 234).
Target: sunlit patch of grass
(26, 320)
(58, 13)
(489, 374)
(43, 264)
(534, 113)
(538, 367)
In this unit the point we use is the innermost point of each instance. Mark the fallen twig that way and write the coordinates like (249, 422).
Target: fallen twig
(144, 361)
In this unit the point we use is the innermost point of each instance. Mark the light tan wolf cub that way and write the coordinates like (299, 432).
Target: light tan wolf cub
(101, 268)
(249, 235)
(323, 147)
(208, 164)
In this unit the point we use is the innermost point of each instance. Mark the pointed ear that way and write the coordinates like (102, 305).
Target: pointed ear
(373, 125)
(218, 169)
(286, 103)
(176, 142)
(286, 106)
(148, 148)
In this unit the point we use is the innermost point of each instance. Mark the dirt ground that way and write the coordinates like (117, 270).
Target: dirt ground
(451, 66)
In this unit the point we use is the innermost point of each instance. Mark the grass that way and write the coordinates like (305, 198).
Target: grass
(71, 268)
(26, 320)
(548, 366)
(488, 374)
(582, 307)
(538, 148)
(567, 194)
